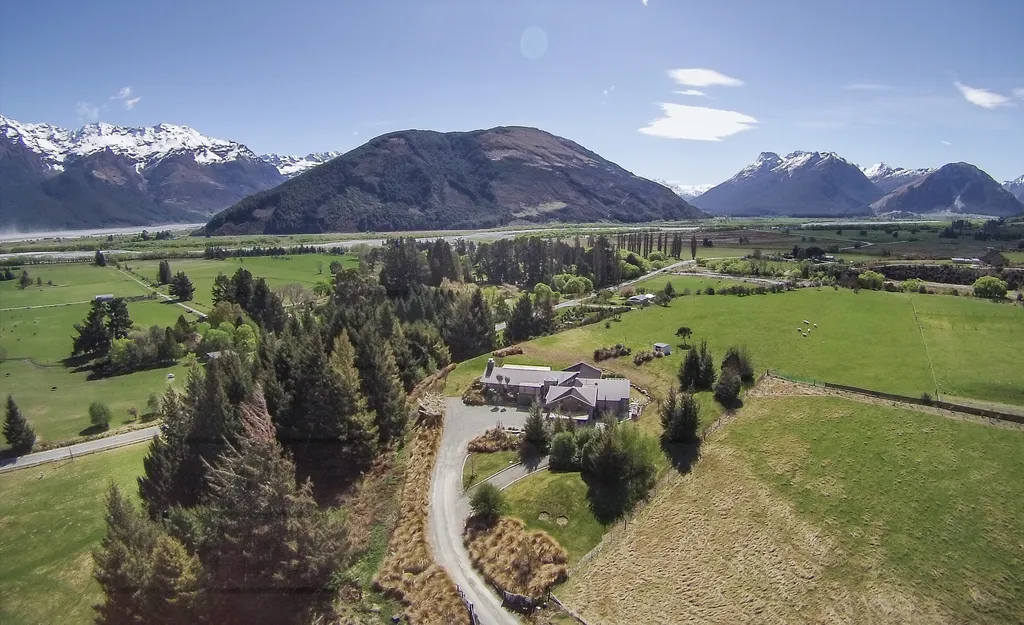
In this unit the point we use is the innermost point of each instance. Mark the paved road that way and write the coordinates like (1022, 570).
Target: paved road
(80, 449)
(449, 508)
(44, 306)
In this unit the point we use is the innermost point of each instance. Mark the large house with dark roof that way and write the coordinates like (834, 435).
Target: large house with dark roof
(576, 390)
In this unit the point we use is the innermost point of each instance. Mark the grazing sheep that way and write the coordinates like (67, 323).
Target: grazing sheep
(807, 322)
(815, 325)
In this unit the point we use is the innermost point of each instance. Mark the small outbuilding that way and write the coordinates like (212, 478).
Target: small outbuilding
(662, 348)
(106, 297)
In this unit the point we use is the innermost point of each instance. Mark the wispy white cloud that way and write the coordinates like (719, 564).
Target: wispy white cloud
(1019, 92)
(608, 90)
(124, 95)
(697, 123)
(982, 97)
(699, 77)
(644, 1)
(944, 142)
(690, 92)
(87, 112)
(866, 87)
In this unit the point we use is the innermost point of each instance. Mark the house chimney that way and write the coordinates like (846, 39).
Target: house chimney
(490, 367)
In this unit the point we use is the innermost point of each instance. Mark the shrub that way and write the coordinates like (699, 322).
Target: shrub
(642, 357)
(564, 453)
(487, 501)
(616, 351)
(990, 287)
(99, 415)
(508, 351)
(738, 359)
(494, 439)
(926, 399)
(871, 280)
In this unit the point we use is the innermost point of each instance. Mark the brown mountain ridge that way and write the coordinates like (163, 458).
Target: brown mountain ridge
(420, 179)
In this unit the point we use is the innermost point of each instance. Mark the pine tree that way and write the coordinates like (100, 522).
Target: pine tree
(24, 281)
(93, 336)
(471, 329)
(693, 247)
(181, 287)
(223, 290)
(123, 564)
(159, 485)
(680, 418)
(270, 550)
(707, 376)
(536, 438)
(381, 384)
(119, 323)
(17, 431)
(520, 325)
(173, 593)
(100, 259)
(164, 272)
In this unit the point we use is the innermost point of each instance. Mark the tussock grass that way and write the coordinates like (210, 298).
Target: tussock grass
(408, 573)
(513, 559)
(820, 509)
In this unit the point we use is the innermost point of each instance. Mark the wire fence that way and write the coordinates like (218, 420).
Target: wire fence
(923, 400)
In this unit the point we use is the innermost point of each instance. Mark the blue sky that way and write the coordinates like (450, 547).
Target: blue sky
(912, 82)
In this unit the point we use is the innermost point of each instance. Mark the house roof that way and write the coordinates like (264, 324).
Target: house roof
(661, 345)
(518, 377)
(591, 391)
(585, 369)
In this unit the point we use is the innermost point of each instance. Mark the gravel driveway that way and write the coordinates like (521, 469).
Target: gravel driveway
(449, 509)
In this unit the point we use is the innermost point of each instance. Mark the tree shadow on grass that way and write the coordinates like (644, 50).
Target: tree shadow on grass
(530, 457)
(682, 455)
(92, 430)
(608, 501)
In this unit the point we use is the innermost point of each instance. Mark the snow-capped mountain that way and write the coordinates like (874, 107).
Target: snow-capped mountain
(952, 188)
(146, 146)
(888, 178)
(800, 184)
(685, 191)
(1016, 187)
(106, 175)
(291, 166)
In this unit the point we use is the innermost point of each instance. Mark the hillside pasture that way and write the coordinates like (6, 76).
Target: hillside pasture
(824, 509)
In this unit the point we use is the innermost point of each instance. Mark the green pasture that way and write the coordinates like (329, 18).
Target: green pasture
(51, 519)
(34, 344)
(866, 339)
(72, 282)
(303, 269)
(937, 502)
(679, 282)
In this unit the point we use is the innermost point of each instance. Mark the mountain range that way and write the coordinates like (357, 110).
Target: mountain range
(801, 184)
(823, 184)
(421, 179)
(105, 175)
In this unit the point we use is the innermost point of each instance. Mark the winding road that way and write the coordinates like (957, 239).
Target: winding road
(449, 507)
(79, 449)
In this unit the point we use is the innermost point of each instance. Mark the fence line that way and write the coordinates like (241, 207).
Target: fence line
(920, 401)
(573, 613)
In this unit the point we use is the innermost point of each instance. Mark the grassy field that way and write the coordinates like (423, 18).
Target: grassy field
(822, 509)
(866, 339)
(51, 520)
(480, 466)
(278, 270)
(72, 282)
(657, 283)
(544, 499)
(34, 343)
